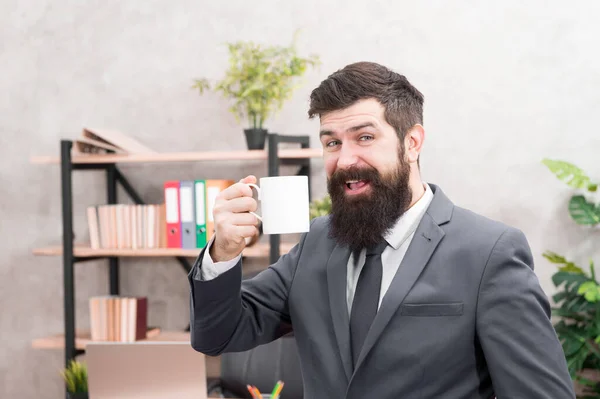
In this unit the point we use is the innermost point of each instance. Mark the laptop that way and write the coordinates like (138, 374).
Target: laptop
(149, 369)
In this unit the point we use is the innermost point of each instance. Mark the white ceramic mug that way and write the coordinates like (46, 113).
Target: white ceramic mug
(284, 204)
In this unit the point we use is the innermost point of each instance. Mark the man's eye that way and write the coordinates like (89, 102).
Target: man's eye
(366, 137)
(332, 143)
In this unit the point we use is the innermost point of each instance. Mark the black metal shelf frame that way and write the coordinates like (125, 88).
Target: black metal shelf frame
(114, 176)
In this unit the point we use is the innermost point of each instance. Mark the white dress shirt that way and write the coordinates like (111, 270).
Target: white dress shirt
(398, 239)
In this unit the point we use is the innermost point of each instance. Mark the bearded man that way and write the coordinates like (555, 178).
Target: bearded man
(398, 293)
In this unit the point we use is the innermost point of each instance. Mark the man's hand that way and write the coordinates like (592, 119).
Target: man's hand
(233, 222)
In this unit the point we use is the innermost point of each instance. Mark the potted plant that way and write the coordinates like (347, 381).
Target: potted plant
(578, 292)
(75, 376)
(259, 80)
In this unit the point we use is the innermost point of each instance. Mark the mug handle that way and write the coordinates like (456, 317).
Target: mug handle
(258, 192)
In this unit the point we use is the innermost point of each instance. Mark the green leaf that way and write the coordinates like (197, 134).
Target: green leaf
(577, 304)
(593, 348)
(572, 347)
(590, 291)
(561, 260)
(583, 212)
(566, 314)
(560, 296)
(201, 85)
(568, 173)
(570, 279)
(575, 362)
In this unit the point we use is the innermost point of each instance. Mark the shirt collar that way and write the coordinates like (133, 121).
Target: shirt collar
(408, 222)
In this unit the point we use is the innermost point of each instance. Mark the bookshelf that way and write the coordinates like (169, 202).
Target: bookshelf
(259, 250)
(283, 154)
(83, 337)
(73, 341)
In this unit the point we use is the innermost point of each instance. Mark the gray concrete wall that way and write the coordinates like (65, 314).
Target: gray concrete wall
(506, 84)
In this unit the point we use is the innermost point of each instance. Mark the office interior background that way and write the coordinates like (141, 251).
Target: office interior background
(506, 84)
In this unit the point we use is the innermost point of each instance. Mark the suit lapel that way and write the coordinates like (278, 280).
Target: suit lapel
(426, 238)
(336, 281)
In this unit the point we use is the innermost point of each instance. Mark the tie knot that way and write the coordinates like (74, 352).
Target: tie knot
(377, 249)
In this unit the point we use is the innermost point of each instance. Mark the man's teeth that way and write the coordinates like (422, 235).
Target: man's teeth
(355, 184)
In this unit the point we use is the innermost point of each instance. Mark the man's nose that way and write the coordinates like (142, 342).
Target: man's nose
(347, 157)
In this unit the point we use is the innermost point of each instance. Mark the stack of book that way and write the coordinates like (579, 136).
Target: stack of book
(189, 211)
(104, 141)
(118, 318)
(127, 226)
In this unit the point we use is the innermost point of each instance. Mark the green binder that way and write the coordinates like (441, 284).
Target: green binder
(200, 195)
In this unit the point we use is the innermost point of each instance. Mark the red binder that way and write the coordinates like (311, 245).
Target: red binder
(172, 214)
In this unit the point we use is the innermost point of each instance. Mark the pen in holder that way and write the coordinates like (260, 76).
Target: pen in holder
(273, 395)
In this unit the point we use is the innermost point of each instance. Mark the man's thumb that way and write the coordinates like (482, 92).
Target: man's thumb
(249, 179)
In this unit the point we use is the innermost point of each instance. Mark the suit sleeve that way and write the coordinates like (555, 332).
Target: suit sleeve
(210, 269)
(520, 345)
(231, 315)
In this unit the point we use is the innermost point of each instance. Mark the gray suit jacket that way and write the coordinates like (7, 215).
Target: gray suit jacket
(464, 317)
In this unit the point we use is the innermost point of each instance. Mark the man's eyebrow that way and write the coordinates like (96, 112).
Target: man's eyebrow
(351, 129)
(361, 126)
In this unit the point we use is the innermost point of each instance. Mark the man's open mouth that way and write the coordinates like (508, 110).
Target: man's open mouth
(355, 186)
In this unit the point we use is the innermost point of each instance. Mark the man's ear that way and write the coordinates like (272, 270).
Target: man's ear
(413, 142)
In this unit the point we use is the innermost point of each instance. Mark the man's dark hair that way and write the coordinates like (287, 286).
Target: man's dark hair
(403, 103)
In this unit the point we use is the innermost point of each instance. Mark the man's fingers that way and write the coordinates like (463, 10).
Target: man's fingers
(237, 234)
(243, 219)
(240, 189)
(249, 179)
(247, 231)
(236, 205)
(236, 190)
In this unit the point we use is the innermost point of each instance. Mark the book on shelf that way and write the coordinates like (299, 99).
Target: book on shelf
(101, 141)
(118, 318)
(127, 226)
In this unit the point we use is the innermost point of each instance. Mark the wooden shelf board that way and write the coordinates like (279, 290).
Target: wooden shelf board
(256, 251)
(83, 337)
(299, 153)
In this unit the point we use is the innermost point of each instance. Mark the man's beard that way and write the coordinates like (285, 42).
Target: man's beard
(362, 220)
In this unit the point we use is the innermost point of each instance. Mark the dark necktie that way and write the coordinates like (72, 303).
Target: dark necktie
(366, 298)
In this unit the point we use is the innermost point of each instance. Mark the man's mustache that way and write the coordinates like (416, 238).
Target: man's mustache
(341, 176)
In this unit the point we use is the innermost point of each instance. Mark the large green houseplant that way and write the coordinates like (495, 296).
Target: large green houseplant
(578, 292)
(259, 80)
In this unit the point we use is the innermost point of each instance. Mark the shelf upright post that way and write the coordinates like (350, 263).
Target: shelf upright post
(111, 183)
(66, 169)
(306, 169)
(273, 170)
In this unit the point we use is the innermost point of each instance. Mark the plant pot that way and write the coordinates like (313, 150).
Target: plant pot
(255, 138)
(78, 395)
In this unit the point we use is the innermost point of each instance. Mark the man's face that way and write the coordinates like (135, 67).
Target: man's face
(359, 137)
(367, 176)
